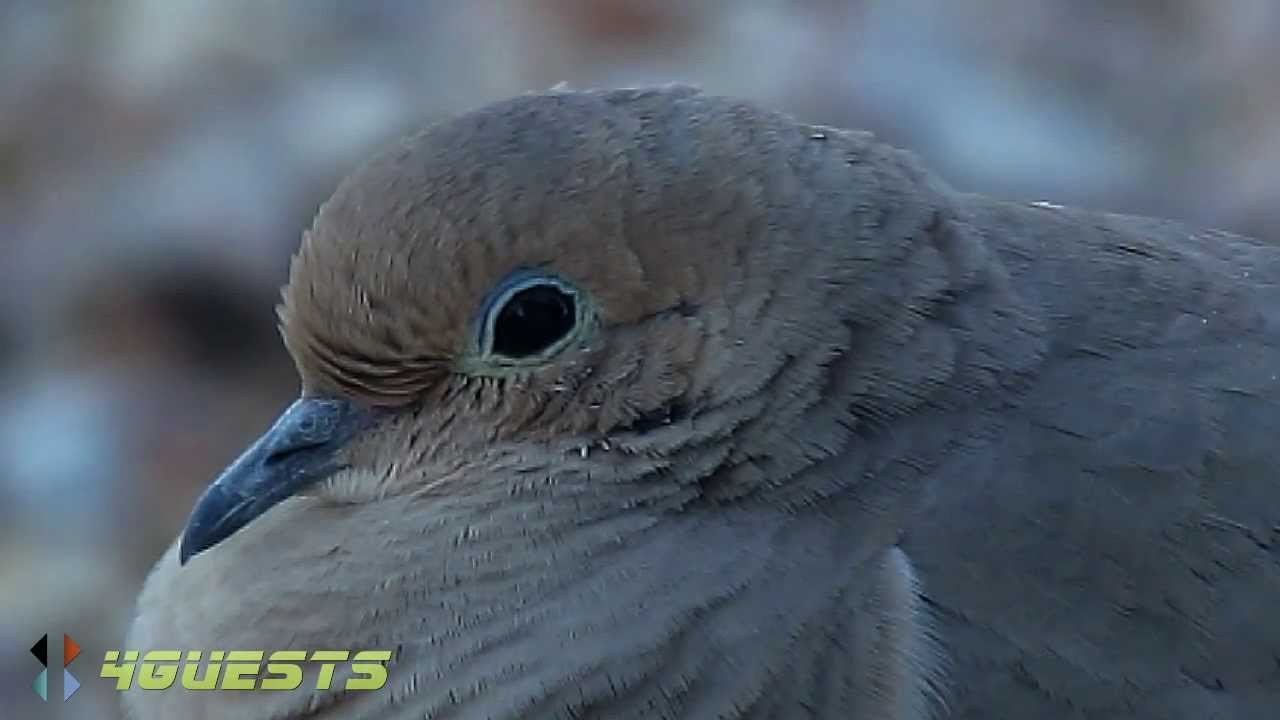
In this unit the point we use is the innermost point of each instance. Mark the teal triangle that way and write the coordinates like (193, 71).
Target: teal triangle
(41, 685)
(69, 685)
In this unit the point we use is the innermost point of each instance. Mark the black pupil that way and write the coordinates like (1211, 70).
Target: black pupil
(533, 320)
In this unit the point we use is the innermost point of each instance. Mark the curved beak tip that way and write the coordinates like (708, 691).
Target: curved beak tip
(301, 448)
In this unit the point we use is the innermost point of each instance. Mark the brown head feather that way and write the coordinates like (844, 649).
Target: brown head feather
(660, 205)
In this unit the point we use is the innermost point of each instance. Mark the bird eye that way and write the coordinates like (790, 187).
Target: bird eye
(531, 315)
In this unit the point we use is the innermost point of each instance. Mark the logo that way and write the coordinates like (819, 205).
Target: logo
(69, 652)
(241, 669)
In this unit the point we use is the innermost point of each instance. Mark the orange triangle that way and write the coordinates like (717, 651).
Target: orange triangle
(69, 650)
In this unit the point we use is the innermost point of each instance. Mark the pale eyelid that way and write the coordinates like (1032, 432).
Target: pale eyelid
(518, 280)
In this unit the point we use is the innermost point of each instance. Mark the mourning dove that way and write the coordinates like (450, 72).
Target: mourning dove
(653, 404)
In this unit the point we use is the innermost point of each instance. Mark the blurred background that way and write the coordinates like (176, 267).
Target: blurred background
(160, 158)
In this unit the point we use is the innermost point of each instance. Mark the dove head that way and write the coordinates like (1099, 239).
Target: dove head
(562, 285)
(510, 252)
(573, 345)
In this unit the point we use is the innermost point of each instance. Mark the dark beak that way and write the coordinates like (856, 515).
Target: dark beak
(301, 448)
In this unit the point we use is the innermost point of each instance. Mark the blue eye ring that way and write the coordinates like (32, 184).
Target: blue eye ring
(494, 303)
